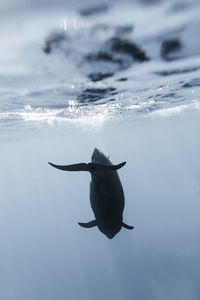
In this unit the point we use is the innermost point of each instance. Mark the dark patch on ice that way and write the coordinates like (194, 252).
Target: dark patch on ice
(177, 71)
(169, 49)
(117, 31)
(92, 95)
(114, 55)
(192, 83)
(124, 46)
(111, 56)
(53, 41)
(121, 46)
(122, 79)
(94, 10)
(99, 76)
(104, 56)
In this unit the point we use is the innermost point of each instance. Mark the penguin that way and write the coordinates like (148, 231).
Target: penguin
(106, 193)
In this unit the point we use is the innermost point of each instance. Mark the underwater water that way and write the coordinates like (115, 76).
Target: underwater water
(123, 77)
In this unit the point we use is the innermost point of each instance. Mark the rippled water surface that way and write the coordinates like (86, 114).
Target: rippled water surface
(98, 61)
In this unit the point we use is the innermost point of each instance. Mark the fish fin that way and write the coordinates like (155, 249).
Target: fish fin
(74, 167)
(100, 167)
(88, 224)
(127, 226)
(91, 167)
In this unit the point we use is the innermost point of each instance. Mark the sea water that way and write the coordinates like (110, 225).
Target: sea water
(64, 91)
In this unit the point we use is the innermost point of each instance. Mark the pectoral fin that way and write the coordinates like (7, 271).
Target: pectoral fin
(127, 226)
(75, 167)
(89, 224)
(91, 167)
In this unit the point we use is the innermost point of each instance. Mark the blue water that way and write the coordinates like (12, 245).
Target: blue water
(67, 88)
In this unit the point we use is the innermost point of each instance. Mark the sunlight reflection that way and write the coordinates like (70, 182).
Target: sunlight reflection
(90, 116)
(70, 23)
(65, 24)
(141, 105)
(170, 111)
(94, 116)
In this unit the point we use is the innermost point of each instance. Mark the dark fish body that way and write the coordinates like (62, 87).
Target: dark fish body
(106, 193)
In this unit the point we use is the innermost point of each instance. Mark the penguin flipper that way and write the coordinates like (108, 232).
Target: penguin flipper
(127, 226)
(74, 167)
(88, 224)
(91, 167)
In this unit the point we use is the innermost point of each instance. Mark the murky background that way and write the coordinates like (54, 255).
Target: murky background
(123, 76)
